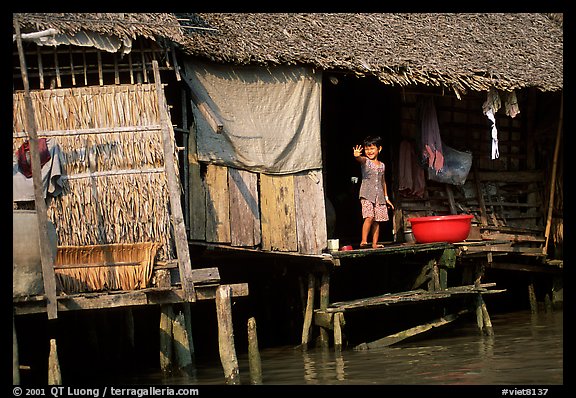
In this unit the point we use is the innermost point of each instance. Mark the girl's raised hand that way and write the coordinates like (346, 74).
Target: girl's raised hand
(357, 150)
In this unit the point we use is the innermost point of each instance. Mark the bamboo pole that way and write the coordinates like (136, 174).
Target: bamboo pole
(553, 177)
(45, 250)
(254, 361)
(226, 335)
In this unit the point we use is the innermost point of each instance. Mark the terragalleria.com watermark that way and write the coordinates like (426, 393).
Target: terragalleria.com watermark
(101, 392)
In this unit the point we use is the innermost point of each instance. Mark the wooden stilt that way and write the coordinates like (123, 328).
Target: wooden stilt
(487, 323)
(338, 331)
(226, 335)
(188, 319)
(54, 375)
(166, 354)
(547, 303)
(129, 319)
(254, 361)
(309, 311)
(479, 314)
(532, 298)
(324, 301)
(183, 357)
(15, 359)
(557, 292)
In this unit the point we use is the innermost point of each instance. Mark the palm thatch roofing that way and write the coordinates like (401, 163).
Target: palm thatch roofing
(122, 25)
(462, 51)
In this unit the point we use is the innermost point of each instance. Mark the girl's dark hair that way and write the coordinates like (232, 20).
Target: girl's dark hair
(372, 140)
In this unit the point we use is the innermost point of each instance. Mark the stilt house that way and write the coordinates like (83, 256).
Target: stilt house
(233, 133)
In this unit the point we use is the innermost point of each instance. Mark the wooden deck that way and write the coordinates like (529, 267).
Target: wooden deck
(114, 299)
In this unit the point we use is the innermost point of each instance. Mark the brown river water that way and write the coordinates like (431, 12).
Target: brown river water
(526, 350)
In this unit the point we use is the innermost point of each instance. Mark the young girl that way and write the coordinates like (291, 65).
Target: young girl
(373, 192)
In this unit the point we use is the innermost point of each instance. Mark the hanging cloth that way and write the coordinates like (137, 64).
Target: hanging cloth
(431, 141)
(24, 162)
(411, 178)
(511, 105)
(490, 107)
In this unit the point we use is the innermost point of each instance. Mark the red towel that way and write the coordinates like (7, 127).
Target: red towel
(24, 162)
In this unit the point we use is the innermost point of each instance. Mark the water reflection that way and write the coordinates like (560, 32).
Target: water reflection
(323, 366)
(526, 349)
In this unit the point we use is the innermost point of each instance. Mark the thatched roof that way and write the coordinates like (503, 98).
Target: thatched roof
(122, 25)
(460, 51)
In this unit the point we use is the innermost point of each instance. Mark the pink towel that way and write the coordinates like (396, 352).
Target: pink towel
(431, 141)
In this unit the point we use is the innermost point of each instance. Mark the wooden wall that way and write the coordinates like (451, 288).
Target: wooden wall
(241, 208)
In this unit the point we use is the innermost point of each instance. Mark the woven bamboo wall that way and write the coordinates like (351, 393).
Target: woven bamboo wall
(112, 159)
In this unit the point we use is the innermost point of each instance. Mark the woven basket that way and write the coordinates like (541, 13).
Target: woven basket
(104, 267)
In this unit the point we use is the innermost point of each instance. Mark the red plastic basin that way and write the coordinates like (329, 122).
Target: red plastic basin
(454, 228)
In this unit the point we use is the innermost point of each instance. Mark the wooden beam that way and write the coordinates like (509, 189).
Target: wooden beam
(509, 176)
(45, 250)
(148, 296)
(411, 332)
(177, 217)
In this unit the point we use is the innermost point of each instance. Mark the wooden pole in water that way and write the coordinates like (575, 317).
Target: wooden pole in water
(487, 323)
(15, 360)
(309, 311)
(253, 353)
(181, 344)
(188, 320)
(479, 315)
(324, 301)
(338, 331)
(54, 375)
(532, 298)
(166, 324)
(226, 335)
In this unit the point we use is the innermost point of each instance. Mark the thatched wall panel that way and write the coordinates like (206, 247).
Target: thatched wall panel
(112, 159)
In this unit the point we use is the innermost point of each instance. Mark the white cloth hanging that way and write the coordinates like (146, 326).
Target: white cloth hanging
(495, 153)
(490, 107)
